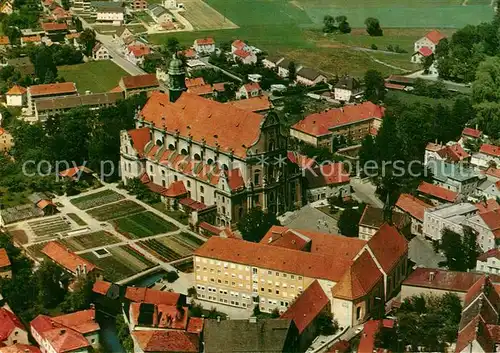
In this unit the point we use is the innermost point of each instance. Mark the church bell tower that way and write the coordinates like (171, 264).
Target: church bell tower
(176, 76)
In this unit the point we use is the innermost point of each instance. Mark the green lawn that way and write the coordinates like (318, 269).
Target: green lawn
(144, 16)
(142, 225)
(94, 76)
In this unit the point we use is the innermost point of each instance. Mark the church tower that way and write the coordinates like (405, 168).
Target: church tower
(176, 76)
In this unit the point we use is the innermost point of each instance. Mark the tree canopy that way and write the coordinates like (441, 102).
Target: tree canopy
(373, 27)
(255, 224)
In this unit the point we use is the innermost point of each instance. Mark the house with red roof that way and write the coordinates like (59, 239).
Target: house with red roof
(415, 209)
(260, 104)
(165, 341)
(20, 348)
(246, 57)
(249, 90)
(16, 96)
(12, 330)
(75, 332)
(373, 218)
(451, 153)
(5, 265)
(131, 85)
(437, 194)
(487, 226)
(68, 260)
(136, 53)
(419, 56)
(488, 156)
(367, 342)
(51, 90)
(352, 121)
(77, 173)
(470, 134)
(204, 46)
(52, 28)
(429, 41)
(327, 180)
(239, 45)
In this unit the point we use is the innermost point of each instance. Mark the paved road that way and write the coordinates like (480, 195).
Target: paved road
(453, 86)
(205, 61)
(365, 191)
(421, 252)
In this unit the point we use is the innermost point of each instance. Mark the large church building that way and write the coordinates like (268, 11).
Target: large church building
(209, 158)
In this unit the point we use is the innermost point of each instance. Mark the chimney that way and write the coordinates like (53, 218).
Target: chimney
(431, 276)
(270, 240)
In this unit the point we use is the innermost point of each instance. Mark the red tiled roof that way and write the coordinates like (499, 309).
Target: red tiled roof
(44, 203)
(307, 306)
(300, 160)
(242, 53)
(367, 341)
(52, 88)
(72, 172)
(4, 40)
(201, 90)
(139, 50)
(319, 124)
(437, 192)
(101, 287)
(388, 246)
(210, 228)
(471, 132)
(490, 150)
(8, 323)
(4, 258)
(327, 174)
(252, 86)
(475, 330)
(395, 86)
(195, 325)
(492, 219)
(139, 137)
(20, 348)
(425, 51)
(196, 81)
(219, 86)
(82, 321)
(413, 206)
(253, 104)
(54, 26)
(205, 120)
(31, 39)
(167, 341)
(359, 279)
(164, 316)
(289, 239)
(140, 81)
(151, 296)
(175, 189)
(235, 179)
(442, 279)
(435, 36)
(188, 53)
(494, 172)
(238, 44)
(16, 90)
(456, 152)
(205, 41)
(192, 204)
(66, 258)
(487, 206)
(116, 89)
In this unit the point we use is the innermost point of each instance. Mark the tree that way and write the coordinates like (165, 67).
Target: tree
(171, 276)
(44, 64)
(374, 86)
(78, 24)
(326, 324)
(172, 46)
(14, 35)
(292, 71)
(344, 27)
(123, 333)
(196, 310)
(460, 251)
(367, 155)
(50, 281)
(349, 220)
(87, 39)
(427, 62)
(191, 292)
(255, 224)
(329, 24)
(373, 27)
(275, 313)
(65, 4)
(80, 297)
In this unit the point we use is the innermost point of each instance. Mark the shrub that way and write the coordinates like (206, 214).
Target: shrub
(171, 276)
(374, 46)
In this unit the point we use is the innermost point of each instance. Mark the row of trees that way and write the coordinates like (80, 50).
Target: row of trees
(339, 24)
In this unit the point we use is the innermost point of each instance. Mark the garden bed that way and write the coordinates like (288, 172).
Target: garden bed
(90, 240)
(49, 226)
(97, 199)
(76, 219)
(171, 247)
(115, 210)
(142, 225)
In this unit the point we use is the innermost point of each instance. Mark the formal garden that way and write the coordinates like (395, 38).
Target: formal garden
(142, 225)
(49, 226)
(115, 210)
(96, 199)
(172, 247)
(89, 241)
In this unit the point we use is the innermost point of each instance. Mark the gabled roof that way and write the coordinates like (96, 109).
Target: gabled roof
(66, 258)
(326, 175)
(373, 217)
(492, 219)
(475, 330)
(238, 44)
(252, 104)
(75, 171)
(205, 41)
(235, 179)
(242, 53)
(308, 73)
(435, 36)
(82, 321)
(252, 86)
(196, 81)
(52, 88)
(487, 206)
(140, 81)
(16, 90)
(20, 348)
(151, 296)
(425, 51)
(413, 206)
(320, 124)
(4, 258)
(54, 26)
(490, 150)
(494, 172)
(139, 138)
(158, 316)
(31, 39)
(442, 279)
(367, 341)
(471, 132)
(167, 341)
(388, 246)
(101, 287)
(4, 40)
(139, 50)
(437, 191)
(201, 90)
(175, 189)
(307, 306)
(8, 323)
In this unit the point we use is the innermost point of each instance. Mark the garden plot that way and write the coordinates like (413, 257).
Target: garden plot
(115, 210)
(123, 262)
(35, 250)
(171, 247)
(97, 199)
(49, 226)
(89, 241)
(142, 225)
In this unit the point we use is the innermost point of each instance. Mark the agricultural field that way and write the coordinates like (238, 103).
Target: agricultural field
(172, 247)
(76, 219)
(115, 210)
(96, 199)
(122, 262)
(204, 17)
(94, 76)
(49, 226)
(89, 241)
(142, 225)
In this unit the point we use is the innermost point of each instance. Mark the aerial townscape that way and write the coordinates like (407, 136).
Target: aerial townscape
(215, 176)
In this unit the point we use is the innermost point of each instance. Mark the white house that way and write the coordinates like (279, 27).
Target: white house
(239, 45)
(249, 90)
(450, 216)
(487, 226)
(112, 13)
(488, 189)
(309, 77)
(454, 177)
(122, 35)
(271, 62)
(159, 14)
(346, 88)
(283, 68)
(12, 330)
(204, 46)
(488, 156)
(415, 209)
(430, 40)
(100, 52)
(246, 57)
(16, 96)
(136, 53)
(489, 262)
(169, 4)
(419, 56)
(327, 180)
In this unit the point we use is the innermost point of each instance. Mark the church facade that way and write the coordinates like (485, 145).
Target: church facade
(204, 155)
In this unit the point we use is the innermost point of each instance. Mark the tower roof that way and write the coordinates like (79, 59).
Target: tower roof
(176, 67)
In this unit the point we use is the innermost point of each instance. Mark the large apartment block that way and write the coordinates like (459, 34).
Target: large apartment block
(355, 274)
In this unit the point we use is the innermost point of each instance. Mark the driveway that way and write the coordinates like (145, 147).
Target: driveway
(421, 252)
(364, 191)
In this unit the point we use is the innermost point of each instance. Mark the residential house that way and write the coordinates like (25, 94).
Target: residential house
(4, 42)
(326, 181)
(244, 56)
(449, 216)
(249, 90)
(7, 8)
(77, 173)
(100, 52)
(260, 104)
(489, 262)
(20, 348)
(437, 194)
(48, 91)
(60, 15)
(6, 140)
(131, 85)
(72, 39)
(368, 339)
(488, 156)
(492, 174)
(419, 56)
(347, 88)
(451, 153)
(352, 122)
(415, 209)
(373, 218)
(5, 265)
(159, 14)
(455, 177)
(194, 82)
(136, 53)
(436, 281)
(304, 313)
(108, 297)
(75, 332)
(122, 34)
(430, 41)
(54, 28)
(487, 206)
(170, 4)
(16, 96)
(84, 6)
(252, 336)
(204, 46)
(309, 77)
(139, 5)
(68, 260)
(275, 271)
(161, 341)
(488, 189)
(487, 227)
(283, 67)
(12, 331)
(53, 106)
(34, 40)
(271, 62)
(239, 45)
(110, 12)
(470, 135)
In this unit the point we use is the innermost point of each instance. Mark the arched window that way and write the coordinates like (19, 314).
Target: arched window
(225, 167)
(271, 145)
(358, 313)
(256, 177)
(184, 152)
(197, 157)
(171, 147)
(159, 142)
(210, 161)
